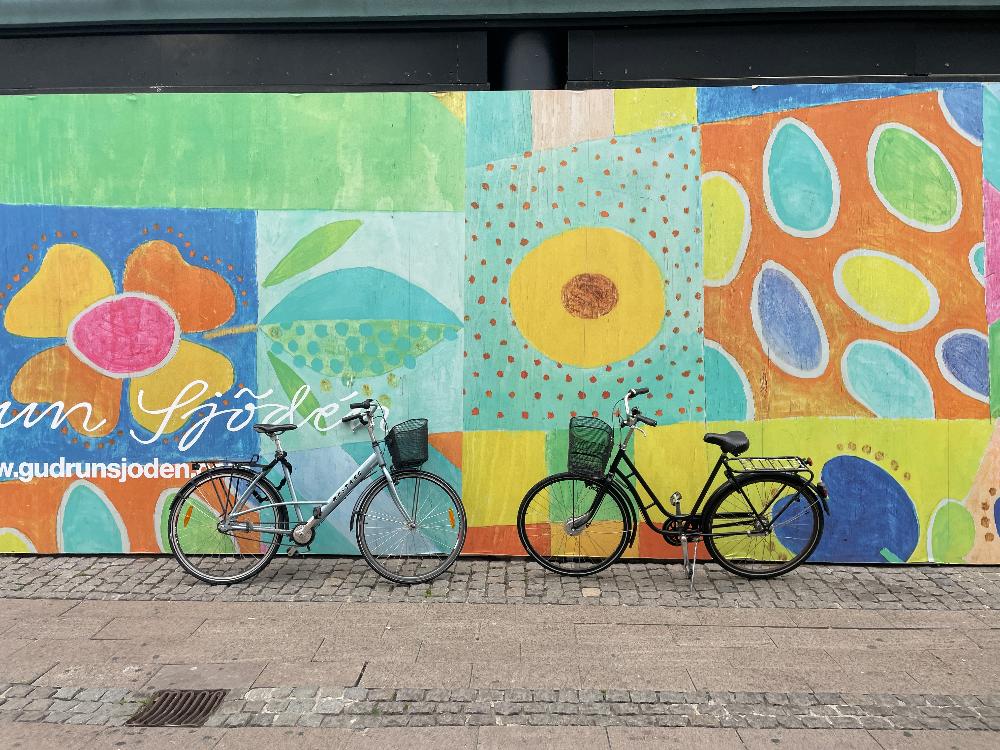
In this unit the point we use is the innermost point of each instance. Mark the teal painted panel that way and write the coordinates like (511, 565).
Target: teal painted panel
(499, 125)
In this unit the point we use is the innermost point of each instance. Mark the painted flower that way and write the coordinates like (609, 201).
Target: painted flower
(588, 296)
(109, 338)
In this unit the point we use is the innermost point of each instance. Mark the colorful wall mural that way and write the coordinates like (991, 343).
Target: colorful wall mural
(817, 265)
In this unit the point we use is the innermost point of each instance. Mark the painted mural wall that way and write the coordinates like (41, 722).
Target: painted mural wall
(816, 265)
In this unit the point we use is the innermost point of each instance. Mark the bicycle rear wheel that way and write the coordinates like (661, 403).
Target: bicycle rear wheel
(764, 525)
(550, 513)
(224, 557)
(423, 548)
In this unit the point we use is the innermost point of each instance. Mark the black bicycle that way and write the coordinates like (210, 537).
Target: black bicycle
(764, 520)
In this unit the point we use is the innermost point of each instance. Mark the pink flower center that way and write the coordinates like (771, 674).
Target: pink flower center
(125, 335)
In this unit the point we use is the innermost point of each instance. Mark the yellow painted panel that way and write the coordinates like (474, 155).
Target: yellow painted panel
(498, 468)
(645, 109)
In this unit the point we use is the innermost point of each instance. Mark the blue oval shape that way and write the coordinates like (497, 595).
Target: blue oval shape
(963, 106)
(964, 357)
(886, 381)
(801, 187)
(787, 323)
(872, 518)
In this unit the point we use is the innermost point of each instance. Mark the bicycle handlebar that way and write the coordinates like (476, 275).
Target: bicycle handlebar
(352, 417)
(644, 420)
(639, 391)
(362, 404)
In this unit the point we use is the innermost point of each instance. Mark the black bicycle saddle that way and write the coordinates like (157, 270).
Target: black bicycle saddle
(734, 442)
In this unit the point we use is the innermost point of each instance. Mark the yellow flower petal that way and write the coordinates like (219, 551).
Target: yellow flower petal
(160, 389)
(70, 279)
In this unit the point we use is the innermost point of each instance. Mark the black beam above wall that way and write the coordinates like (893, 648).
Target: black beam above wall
(773, 49)
(248, 61)
(522, 53)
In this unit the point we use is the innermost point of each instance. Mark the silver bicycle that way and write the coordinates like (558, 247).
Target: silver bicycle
(228, 522)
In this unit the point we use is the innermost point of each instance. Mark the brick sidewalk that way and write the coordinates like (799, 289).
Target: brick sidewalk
(477, 581)
(320, 653)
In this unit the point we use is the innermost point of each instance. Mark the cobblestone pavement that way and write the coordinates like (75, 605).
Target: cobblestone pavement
(359, 707)
(477, 581)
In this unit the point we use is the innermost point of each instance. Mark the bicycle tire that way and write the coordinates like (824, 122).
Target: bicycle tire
(805, 534)
(587, 564)
(174, 525)
(442, 525)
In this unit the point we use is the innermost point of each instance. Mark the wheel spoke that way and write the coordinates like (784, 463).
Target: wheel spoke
(411, 553)
(545, 528)
(224, 557)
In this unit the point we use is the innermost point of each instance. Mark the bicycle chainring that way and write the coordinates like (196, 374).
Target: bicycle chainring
(673, 528)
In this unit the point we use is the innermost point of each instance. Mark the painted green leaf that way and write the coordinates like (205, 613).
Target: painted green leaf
(312, 249)
(290, 384)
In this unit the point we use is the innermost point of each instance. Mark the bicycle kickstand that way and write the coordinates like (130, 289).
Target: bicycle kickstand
(684, 554)
(694, 562)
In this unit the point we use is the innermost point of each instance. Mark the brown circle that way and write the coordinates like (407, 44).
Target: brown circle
(589, 296)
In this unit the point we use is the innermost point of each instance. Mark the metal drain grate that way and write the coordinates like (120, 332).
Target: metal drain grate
(178, 708)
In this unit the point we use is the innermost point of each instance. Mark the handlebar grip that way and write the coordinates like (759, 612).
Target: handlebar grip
(640, 391)
(363, 404)
(645, 420)
(351, 417)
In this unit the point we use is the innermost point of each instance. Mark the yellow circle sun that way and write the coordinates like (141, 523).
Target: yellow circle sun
(588, 297)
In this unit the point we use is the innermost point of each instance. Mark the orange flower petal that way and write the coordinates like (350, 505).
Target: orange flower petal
(70, 279)
(201, 298)
(57, 375)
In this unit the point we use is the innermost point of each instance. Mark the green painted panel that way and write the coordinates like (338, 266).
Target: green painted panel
(377, 151)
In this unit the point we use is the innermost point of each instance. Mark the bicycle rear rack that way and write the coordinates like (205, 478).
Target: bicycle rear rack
(215, 463)
(769, 465)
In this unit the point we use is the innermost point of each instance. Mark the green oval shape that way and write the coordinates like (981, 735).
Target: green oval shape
(952, 533)
(913, 179)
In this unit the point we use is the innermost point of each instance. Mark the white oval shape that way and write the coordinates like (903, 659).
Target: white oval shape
(873, 144)
(834, 177)
(845, 294)
(747, 227)
(758, 324)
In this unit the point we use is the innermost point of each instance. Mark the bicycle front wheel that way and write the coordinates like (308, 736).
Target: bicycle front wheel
(572, 525)
(416, 547)
(223, 557)
(763, 525)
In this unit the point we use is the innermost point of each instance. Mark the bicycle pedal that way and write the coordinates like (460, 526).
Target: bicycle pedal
(292, 551)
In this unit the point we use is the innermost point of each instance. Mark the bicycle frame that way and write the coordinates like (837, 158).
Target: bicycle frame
(320, 512)
(616, 475)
